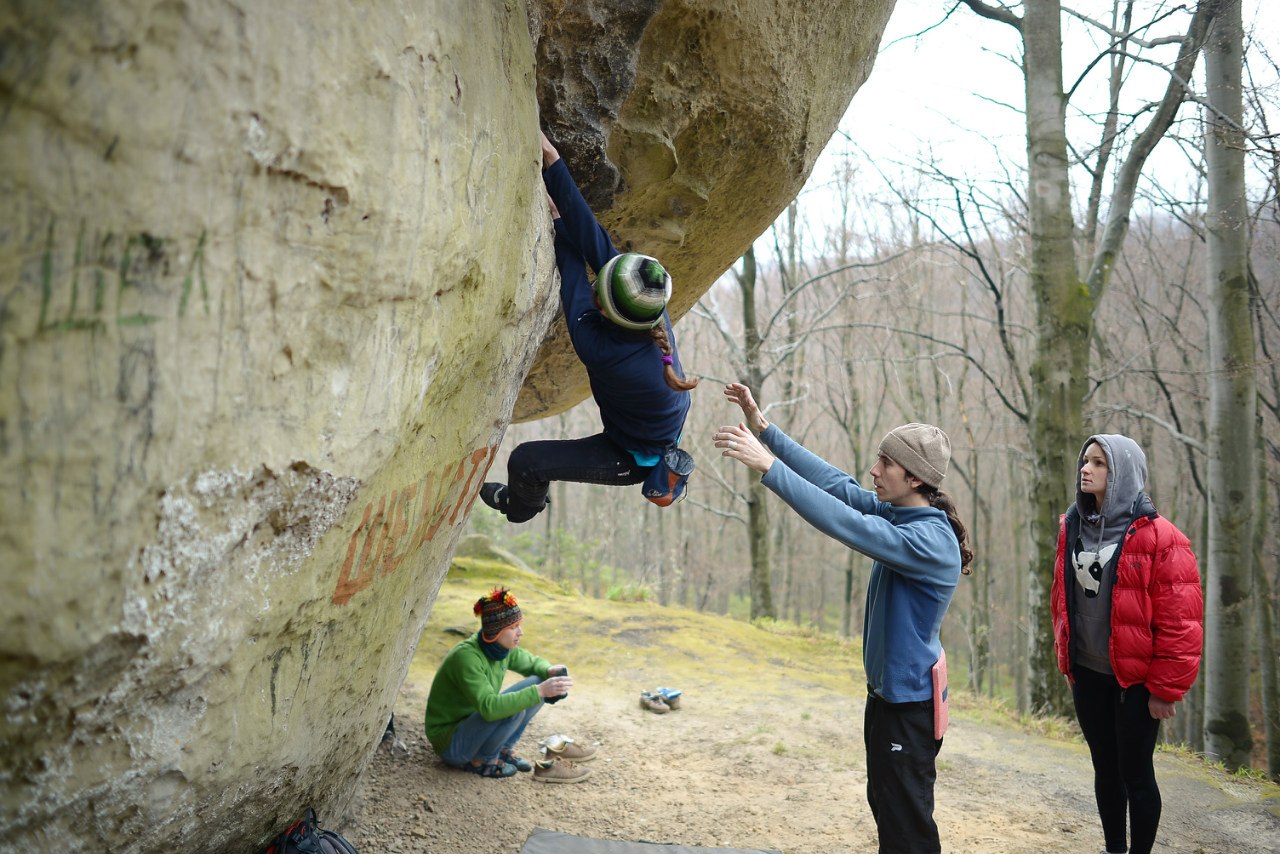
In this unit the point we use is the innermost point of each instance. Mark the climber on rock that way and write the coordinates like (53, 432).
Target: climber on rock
(622, 333)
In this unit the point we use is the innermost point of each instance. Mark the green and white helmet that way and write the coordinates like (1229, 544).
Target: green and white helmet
(633, 289)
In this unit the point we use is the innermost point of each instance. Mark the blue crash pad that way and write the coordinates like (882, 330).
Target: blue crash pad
(553, 842)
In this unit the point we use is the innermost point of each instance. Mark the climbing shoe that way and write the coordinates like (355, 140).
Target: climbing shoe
(520, 763)
(495, 495)
(493, 770)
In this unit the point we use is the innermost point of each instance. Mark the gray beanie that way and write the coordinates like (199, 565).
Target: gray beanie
(921, 449)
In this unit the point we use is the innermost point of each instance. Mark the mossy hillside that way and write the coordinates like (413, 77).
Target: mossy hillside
(634, 646)
(628, 647)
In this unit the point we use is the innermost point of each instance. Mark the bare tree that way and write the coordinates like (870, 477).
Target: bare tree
(1065, 300)
(1266, 217)
(757, 510)
(1233, 403)
(747, 366)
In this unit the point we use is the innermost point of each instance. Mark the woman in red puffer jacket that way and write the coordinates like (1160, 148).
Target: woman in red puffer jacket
(1128, 627)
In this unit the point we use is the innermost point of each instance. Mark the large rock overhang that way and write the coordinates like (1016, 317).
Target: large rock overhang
(690, 126)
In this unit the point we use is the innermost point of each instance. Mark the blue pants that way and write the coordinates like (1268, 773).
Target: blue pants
(476, 738)
(593, 459)
(1121, 735)
(901, 771)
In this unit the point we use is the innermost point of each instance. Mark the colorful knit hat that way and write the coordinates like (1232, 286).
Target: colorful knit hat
(496, 611)
(633, 290)
(921, 449)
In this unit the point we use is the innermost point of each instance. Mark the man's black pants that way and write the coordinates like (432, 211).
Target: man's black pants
(901, 771)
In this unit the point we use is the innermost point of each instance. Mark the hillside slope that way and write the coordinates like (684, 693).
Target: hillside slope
(766, 751)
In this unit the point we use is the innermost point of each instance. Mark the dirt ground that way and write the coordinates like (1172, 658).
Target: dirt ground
(782, 770)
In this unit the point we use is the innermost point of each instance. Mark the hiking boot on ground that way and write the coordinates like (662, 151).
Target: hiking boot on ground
(563, 747)
(560, 771)
(653, 703)
(496, 495)
(670, 696)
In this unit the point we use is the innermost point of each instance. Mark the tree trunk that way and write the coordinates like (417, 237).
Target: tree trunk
(1232, 404)
(757, 515)
(791, 368)
(1064, 325)
(1018, 662)
(1064, 302)
(981, 623)
(758, 532)
(846, 623)
(1267, 650)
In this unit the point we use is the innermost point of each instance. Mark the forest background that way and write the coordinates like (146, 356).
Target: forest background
(904, 285)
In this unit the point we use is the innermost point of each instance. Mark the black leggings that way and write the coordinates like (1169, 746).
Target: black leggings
(593, 459)
(1122, 739)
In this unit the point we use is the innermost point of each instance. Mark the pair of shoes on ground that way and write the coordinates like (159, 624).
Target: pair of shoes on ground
(560, 764)
(660, 700)
(561, 758)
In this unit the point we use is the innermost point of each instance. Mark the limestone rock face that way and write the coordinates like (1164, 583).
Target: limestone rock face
(272, 276)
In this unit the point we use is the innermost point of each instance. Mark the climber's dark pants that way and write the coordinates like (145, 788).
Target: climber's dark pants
(594, 459)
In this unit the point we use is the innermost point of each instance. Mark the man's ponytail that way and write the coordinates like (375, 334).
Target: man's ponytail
(942, 501)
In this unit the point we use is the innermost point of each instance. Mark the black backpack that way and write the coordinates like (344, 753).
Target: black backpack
(304, 837)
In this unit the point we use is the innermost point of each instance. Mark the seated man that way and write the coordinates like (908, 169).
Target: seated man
(471, 722)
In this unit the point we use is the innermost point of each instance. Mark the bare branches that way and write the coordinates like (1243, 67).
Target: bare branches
(1003, 14)
(968, 248)
(1168, 427)
(1130, 34)
(957, 350)
(1127, 179)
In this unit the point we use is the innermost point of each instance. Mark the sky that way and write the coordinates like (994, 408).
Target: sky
(953, 90)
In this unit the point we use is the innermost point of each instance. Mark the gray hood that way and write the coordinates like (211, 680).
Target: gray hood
(1126, 477)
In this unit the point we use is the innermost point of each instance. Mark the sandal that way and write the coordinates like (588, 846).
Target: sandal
(520, 763)
(493, 770)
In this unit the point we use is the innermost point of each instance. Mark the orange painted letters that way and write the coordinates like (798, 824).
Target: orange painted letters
(383, 539)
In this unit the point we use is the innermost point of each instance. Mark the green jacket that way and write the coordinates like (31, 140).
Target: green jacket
(468, 681)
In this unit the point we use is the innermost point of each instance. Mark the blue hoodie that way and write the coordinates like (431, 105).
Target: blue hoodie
(638, 410)
(916, 569)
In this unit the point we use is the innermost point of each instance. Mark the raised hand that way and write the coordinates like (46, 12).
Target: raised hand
(739, 443)
(741, 395)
